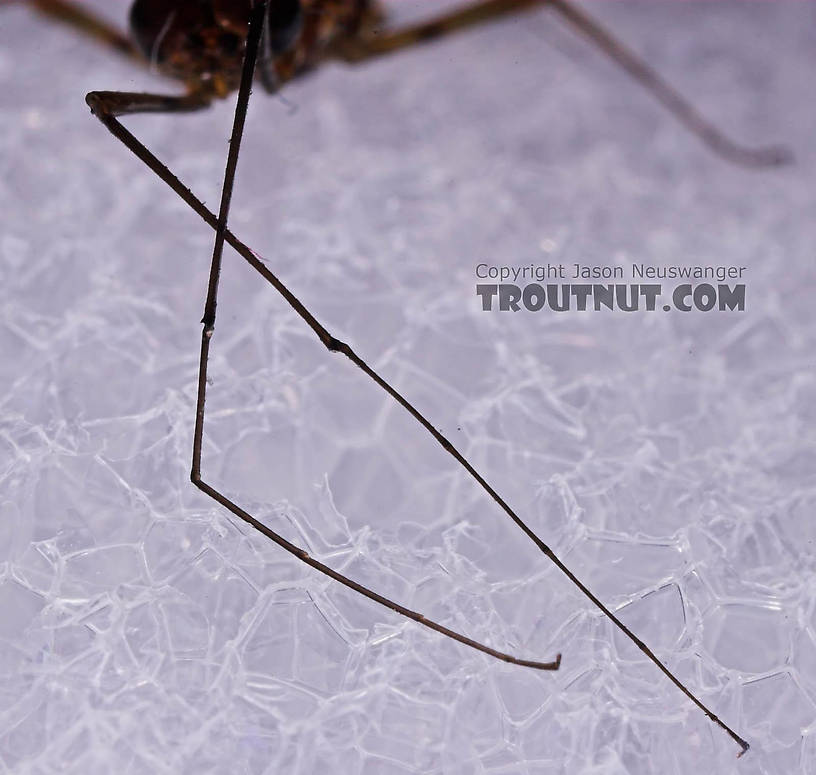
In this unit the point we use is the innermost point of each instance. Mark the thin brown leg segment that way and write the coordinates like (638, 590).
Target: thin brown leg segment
(223, 235)
(106, 106)
(374, 43)
(88, 24)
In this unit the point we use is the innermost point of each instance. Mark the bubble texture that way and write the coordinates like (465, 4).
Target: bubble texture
(667, 458)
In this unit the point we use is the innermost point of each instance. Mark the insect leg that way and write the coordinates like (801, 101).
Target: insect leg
(334, 345)
(370, 594)
(87, 23)
(373, 42)
(331, 343)
(107, 106)
(670, 98)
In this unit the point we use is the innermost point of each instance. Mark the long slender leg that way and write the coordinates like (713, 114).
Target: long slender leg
(334, 345)
(672, 100)
(372, 42)
(106, 106)
(87, 23)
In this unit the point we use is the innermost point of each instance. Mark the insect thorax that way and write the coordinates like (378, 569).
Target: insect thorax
(201, 42)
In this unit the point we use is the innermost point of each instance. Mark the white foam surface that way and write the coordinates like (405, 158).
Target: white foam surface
(668, 458)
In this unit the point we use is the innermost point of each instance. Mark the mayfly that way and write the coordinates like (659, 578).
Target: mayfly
(216, 47)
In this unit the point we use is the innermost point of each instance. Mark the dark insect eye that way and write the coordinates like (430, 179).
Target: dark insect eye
(284, 21)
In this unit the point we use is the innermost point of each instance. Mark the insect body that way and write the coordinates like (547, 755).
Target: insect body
(203, 43)
(212, 46)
